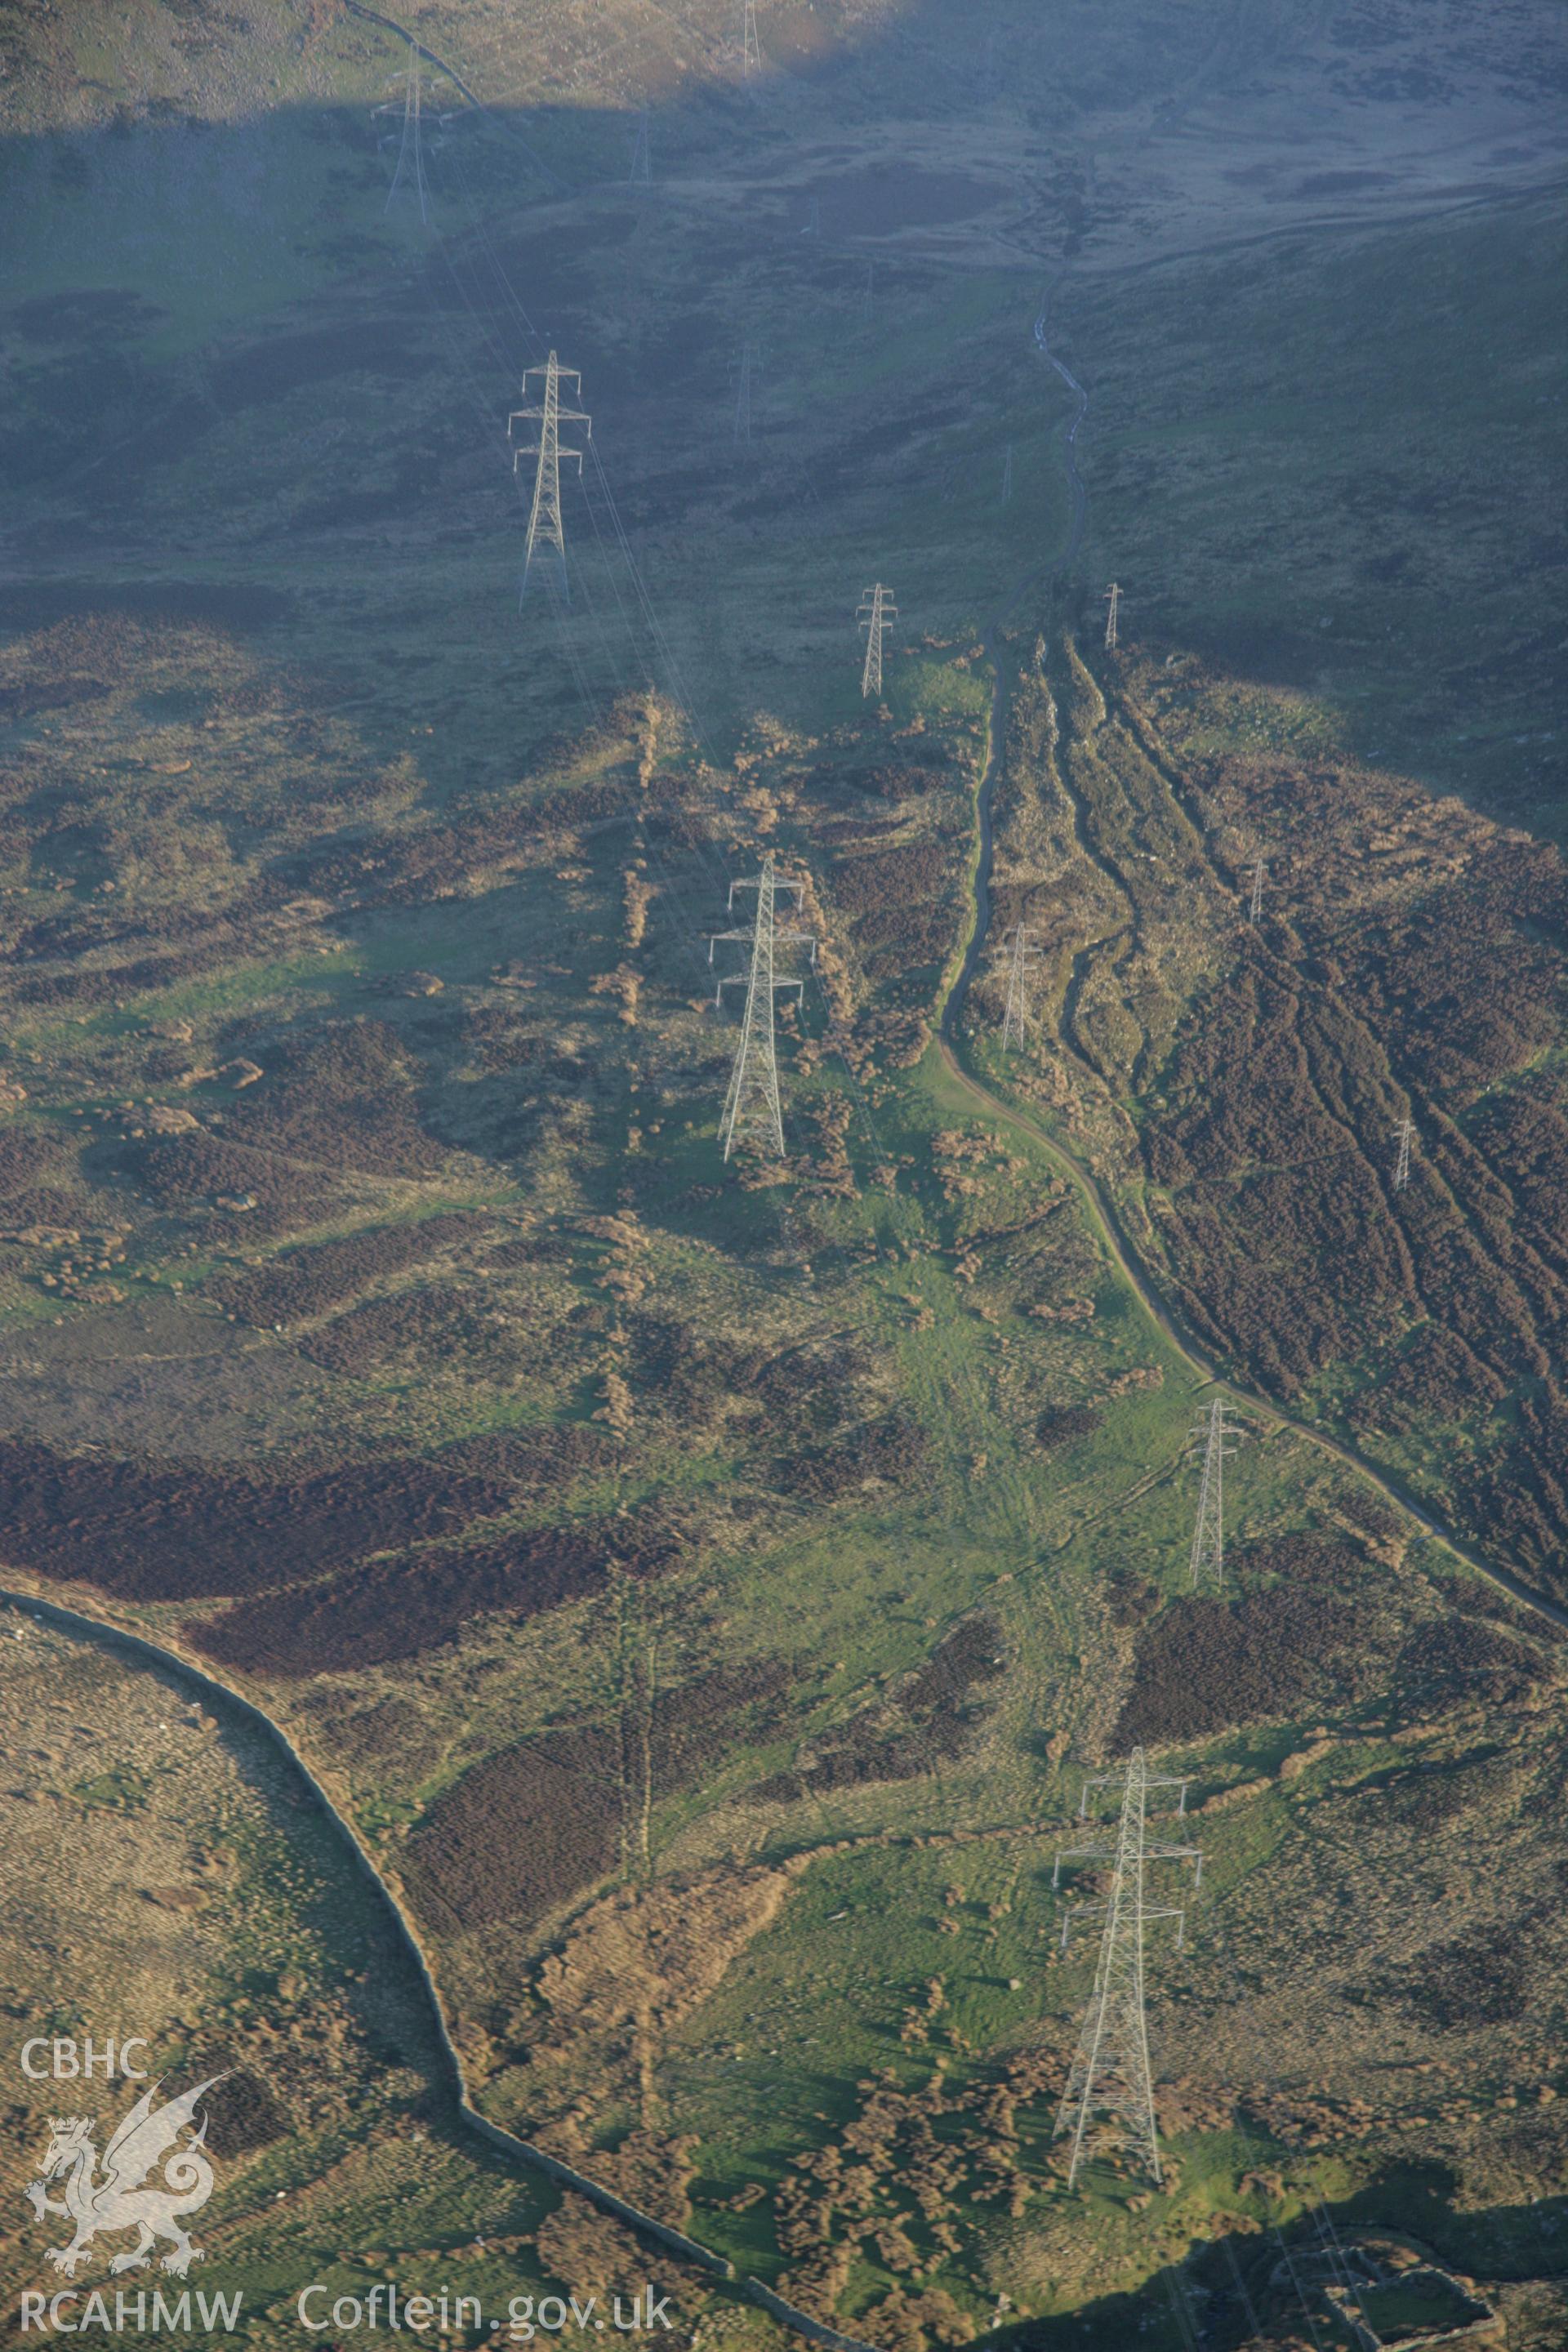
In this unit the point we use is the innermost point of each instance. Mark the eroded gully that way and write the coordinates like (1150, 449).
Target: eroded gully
(1099, 1204)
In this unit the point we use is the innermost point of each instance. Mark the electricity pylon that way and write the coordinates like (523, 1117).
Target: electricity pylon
(1015, 1019)
(751, 48)
(751, 1112)
(411, 146)
(877, 608)
(641, 174)
(1259, 876)
(750, 361)
(1113, 607)
(545, 535)
(1405, 1131)
(1351, 2288)
(1007, 474)
(1208, 1534)
(1110, 2077)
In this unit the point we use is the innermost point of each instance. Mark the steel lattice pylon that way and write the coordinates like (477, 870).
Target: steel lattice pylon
(751, 1110)
(411, 141)
(545, 535)
(1015, 1018)
(1208, 1534)
(877, 609)
(1254, 905)
(1405, 1131)
(1110, 2077)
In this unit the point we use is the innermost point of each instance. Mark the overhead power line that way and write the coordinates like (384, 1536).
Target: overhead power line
(1110, 2079)
(751, 1109)
(876, 611)
(546, 537)
(1208, 1534)
(1015, 1018)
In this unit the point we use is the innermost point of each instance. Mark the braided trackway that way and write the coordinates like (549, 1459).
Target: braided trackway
(1098, 1202)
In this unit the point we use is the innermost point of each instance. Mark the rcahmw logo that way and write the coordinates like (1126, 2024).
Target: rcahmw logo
(153, 2173)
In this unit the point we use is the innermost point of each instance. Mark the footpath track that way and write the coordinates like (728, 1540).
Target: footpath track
(1098, 1202)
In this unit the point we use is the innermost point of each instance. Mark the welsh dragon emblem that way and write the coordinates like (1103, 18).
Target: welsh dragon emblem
(124, 2197)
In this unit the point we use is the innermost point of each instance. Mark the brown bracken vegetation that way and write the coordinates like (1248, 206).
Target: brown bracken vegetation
(309, 1281)
(533, 1825)
(931, 1716)
(152, 1530)
(397, 1609)
(1206, 1663)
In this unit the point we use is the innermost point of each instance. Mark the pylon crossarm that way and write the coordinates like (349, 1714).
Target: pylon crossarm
(542, 367)
(537, 417)
(1087, 1854)
(1173, 1912)
(1174, 1854)
(572, 457)
(1077, 1912)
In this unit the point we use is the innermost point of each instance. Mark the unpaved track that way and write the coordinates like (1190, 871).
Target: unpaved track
(1046, 574)
(1102, 1208)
